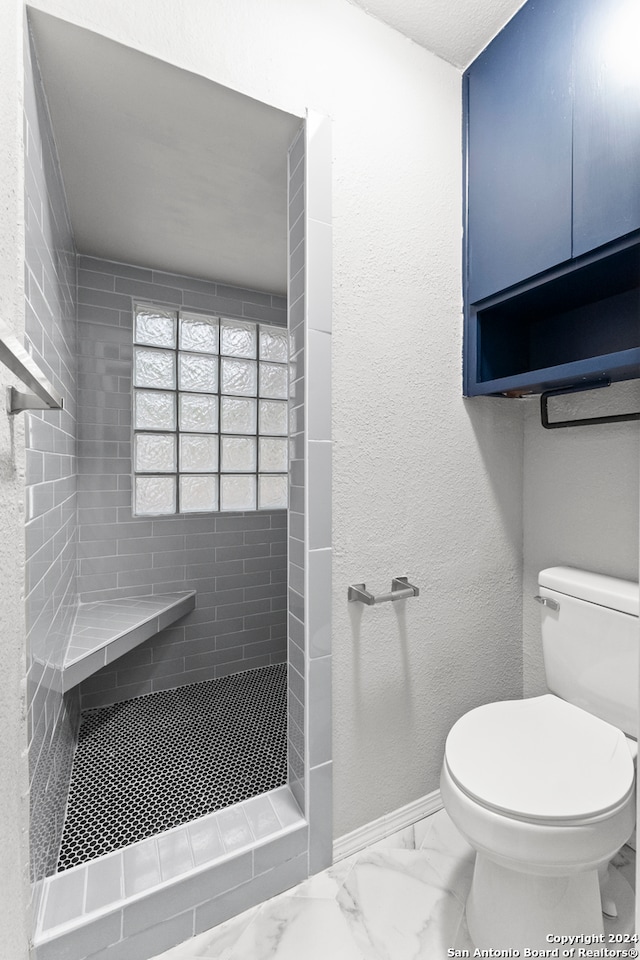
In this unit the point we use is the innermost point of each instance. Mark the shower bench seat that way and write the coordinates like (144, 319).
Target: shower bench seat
(107, 629)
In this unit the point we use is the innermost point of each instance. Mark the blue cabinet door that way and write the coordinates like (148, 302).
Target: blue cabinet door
(606, 177)
(519, 150)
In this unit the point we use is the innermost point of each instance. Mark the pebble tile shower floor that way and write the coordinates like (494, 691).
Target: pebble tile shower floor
(148, 764)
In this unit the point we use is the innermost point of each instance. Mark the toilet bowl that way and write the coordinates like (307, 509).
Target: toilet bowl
(544, 792)
(543, 788)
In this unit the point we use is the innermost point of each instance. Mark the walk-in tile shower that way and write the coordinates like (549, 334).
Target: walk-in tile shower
(200, 736)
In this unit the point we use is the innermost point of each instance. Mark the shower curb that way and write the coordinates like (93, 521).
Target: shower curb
(178, 907)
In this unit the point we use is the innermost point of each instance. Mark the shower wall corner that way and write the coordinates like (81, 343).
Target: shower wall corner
(310, 542)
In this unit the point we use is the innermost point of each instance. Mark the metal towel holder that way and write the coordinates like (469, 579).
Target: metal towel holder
(585, 421)
(15, 357)
(401, 589)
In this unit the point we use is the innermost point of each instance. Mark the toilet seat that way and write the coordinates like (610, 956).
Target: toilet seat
(540, 760)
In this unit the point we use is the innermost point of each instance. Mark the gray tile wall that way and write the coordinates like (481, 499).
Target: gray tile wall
(318, 452)
(296, 617)
(50, 528)
(235, 562)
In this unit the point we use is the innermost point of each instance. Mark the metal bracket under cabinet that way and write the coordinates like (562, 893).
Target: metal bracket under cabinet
(15, 357)
(401, 589)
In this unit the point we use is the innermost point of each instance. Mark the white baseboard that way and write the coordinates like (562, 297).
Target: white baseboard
(384, 826)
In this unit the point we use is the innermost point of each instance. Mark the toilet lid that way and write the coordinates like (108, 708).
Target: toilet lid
(540, 758)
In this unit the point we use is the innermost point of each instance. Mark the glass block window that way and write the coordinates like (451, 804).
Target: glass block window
(210, 413)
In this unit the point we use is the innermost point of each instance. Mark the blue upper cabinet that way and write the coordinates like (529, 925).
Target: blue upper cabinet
(519, 150)
(606, 122)
(552, 214)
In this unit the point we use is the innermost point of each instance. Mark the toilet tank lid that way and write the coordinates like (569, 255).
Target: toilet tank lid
(622, 595)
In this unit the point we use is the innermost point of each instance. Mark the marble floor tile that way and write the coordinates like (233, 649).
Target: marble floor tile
(401, 840)
(326, 885)
(449, 854)
(291, 928)
(463, 940)
(441, 834)
(398, 907)
(625, 862)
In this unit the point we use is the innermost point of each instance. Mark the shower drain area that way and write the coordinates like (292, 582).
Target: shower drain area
(155, 762)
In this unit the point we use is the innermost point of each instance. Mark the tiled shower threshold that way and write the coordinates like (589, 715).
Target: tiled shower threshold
(190, 877)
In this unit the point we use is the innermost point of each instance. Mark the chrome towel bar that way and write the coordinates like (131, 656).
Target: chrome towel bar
(401, 589)
(15, 357)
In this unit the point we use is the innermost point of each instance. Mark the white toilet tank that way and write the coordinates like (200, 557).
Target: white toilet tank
(591, 643)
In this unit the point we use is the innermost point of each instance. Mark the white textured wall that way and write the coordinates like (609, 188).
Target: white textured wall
(580, 501)
(423, 484)
(14, 890)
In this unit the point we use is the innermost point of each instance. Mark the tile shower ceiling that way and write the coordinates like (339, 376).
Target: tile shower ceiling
(145, 765)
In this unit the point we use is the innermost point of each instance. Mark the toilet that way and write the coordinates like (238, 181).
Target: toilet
(543, 788)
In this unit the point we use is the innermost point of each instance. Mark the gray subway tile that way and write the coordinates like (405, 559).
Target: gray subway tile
(242, 293)
(213, 303)
(210, 659)
(263, 619)
(126, 692)
(183, 678)
(104, 316)
(154, 292)
(65, 898)
(248, 608)
(296, 284)
(296, 579)
(320, 817)
(157, 938)
(319, 711)
(255, 891)
(275, 852)
(225, 669)
(296, 605)
(296, 235)
(271, 535)
(244, 552)
(81, 941)
(102, 298)
(242, 637)
(255, 311)
(114, 268)
(296, 658)
(245, 580)
(216, 629)
(296, 683)
(265, 590)
(286, 807)
(273, 647)
(175, 853)
(104, 882)
(265, 563)
(95, 280)
(319, 603)
(184, 283)
(261, 816)
(243, 522)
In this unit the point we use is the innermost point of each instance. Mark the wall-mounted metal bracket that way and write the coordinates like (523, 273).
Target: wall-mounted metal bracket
(585, 421)
(15, 357)
(401, 589)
